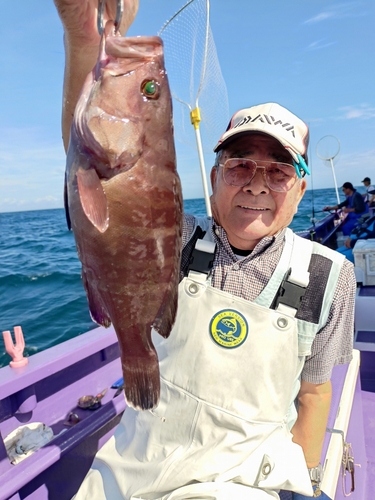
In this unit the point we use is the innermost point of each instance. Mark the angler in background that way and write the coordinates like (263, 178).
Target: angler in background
(363, 231)
(255, 330)
(369, 195)
(354, 205)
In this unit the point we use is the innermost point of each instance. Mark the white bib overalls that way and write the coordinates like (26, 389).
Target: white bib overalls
(229, 376)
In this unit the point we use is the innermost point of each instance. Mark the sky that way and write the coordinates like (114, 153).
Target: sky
(315, 57)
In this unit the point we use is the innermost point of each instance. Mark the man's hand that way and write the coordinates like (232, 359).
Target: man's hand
(82, 40)
(347, 242)
(79, 18)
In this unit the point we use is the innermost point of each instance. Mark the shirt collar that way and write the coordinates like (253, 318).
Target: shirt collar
(268, 243)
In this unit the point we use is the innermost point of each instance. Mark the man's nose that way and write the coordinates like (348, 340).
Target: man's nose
(258, 184)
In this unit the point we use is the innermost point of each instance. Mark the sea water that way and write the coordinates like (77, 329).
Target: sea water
(40, 283)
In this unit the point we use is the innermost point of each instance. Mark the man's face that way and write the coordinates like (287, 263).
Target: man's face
(251, 212)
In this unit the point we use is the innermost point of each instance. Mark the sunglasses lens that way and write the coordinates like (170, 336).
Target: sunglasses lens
(280, 177)
(238, 172)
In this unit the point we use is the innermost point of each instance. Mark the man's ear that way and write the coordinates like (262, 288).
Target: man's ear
(213, 177)
(302, 189)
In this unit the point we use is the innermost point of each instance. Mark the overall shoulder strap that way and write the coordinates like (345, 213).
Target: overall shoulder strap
(293, 287)
(198, 254)
(286, 287)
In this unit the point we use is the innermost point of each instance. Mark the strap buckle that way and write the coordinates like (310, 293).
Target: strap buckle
(289, 293)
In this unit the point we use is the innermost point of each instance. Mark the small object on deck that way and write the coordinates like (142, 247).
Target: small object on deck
(118, 383)
(91, 402)
(72, 419)
(119, 390)
(15, 351)
(27, 439)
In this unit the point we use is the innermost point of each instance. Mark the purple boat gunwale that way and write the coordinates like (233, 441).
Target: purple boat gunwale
(95, 426)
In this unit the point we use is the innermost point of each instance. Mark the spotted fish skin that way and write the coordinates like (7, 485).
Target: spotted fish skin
(123, 201)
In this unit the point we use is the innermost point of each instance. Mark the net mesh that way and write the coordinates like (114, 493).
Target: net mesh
(195, 75)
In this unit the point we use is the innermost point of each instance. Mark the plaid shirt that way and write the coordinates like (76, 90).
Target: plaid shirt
(246, 278)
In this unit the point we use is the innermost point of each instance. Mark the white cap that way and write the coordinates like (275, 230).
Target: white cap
(271, 119)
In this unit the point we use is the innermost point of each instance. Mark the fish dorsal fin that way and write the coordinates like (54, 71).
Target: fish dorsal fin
(93, 198)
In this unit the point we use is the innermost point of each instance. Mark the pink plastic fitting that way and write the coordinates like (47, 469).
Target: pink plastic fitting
(15, 351)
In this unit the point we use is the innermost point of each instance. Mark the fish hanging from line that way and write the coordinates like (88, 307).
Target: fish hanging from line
(124, 203)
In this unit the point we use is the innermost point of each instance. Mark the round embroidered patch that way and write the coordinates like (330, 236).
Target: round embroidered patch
(228, 328)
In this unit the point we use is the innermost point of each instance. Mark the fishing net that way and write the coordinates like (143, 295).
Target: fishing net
(195, 75)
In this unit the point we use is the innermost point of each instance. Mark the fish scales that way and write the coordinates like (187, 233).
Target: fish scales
(124, 203)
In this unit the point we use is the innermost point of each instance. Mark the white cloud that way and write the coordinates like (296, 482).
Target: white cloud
(352, 167)
(319, 44)
(362, 112)
(339, 11)
(320, 17)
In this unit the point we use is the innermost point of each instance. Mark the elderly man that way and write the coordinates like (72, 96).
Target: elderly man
(255, 329)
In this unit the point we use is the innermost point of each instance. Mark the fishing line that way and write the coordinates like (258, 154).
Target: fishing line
(312, 219)
(312, 188)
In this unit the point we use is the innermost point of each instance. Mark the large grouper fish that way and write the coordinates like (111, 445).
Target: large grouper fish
(124, 203)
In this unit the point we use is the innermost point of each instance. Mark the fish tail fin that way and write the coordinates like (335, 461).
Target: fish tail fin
(142, 382)
(167, 313)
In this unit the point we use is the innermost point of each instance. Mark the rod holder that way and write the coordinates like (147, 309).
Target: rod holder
(15, 351)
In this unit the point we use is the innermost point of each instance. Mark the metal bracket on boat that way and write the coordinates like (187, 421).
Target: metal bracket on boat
(347, 462)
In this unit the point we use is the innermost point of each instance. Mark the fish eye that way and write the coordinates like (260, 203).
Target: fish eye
(150, 89)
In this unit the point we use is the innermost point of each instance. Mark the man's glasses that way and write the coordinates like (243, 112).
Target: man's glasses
(279, 177)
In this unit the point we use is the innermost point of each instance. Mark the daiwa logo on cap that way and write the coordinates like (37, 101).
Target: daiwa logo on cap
(271, 119)
(228, 328)
(265, 118)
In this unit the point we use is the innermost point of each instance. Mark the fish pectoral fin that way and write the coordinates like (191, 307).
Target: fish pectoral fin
(98, 311)
(93, 198)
